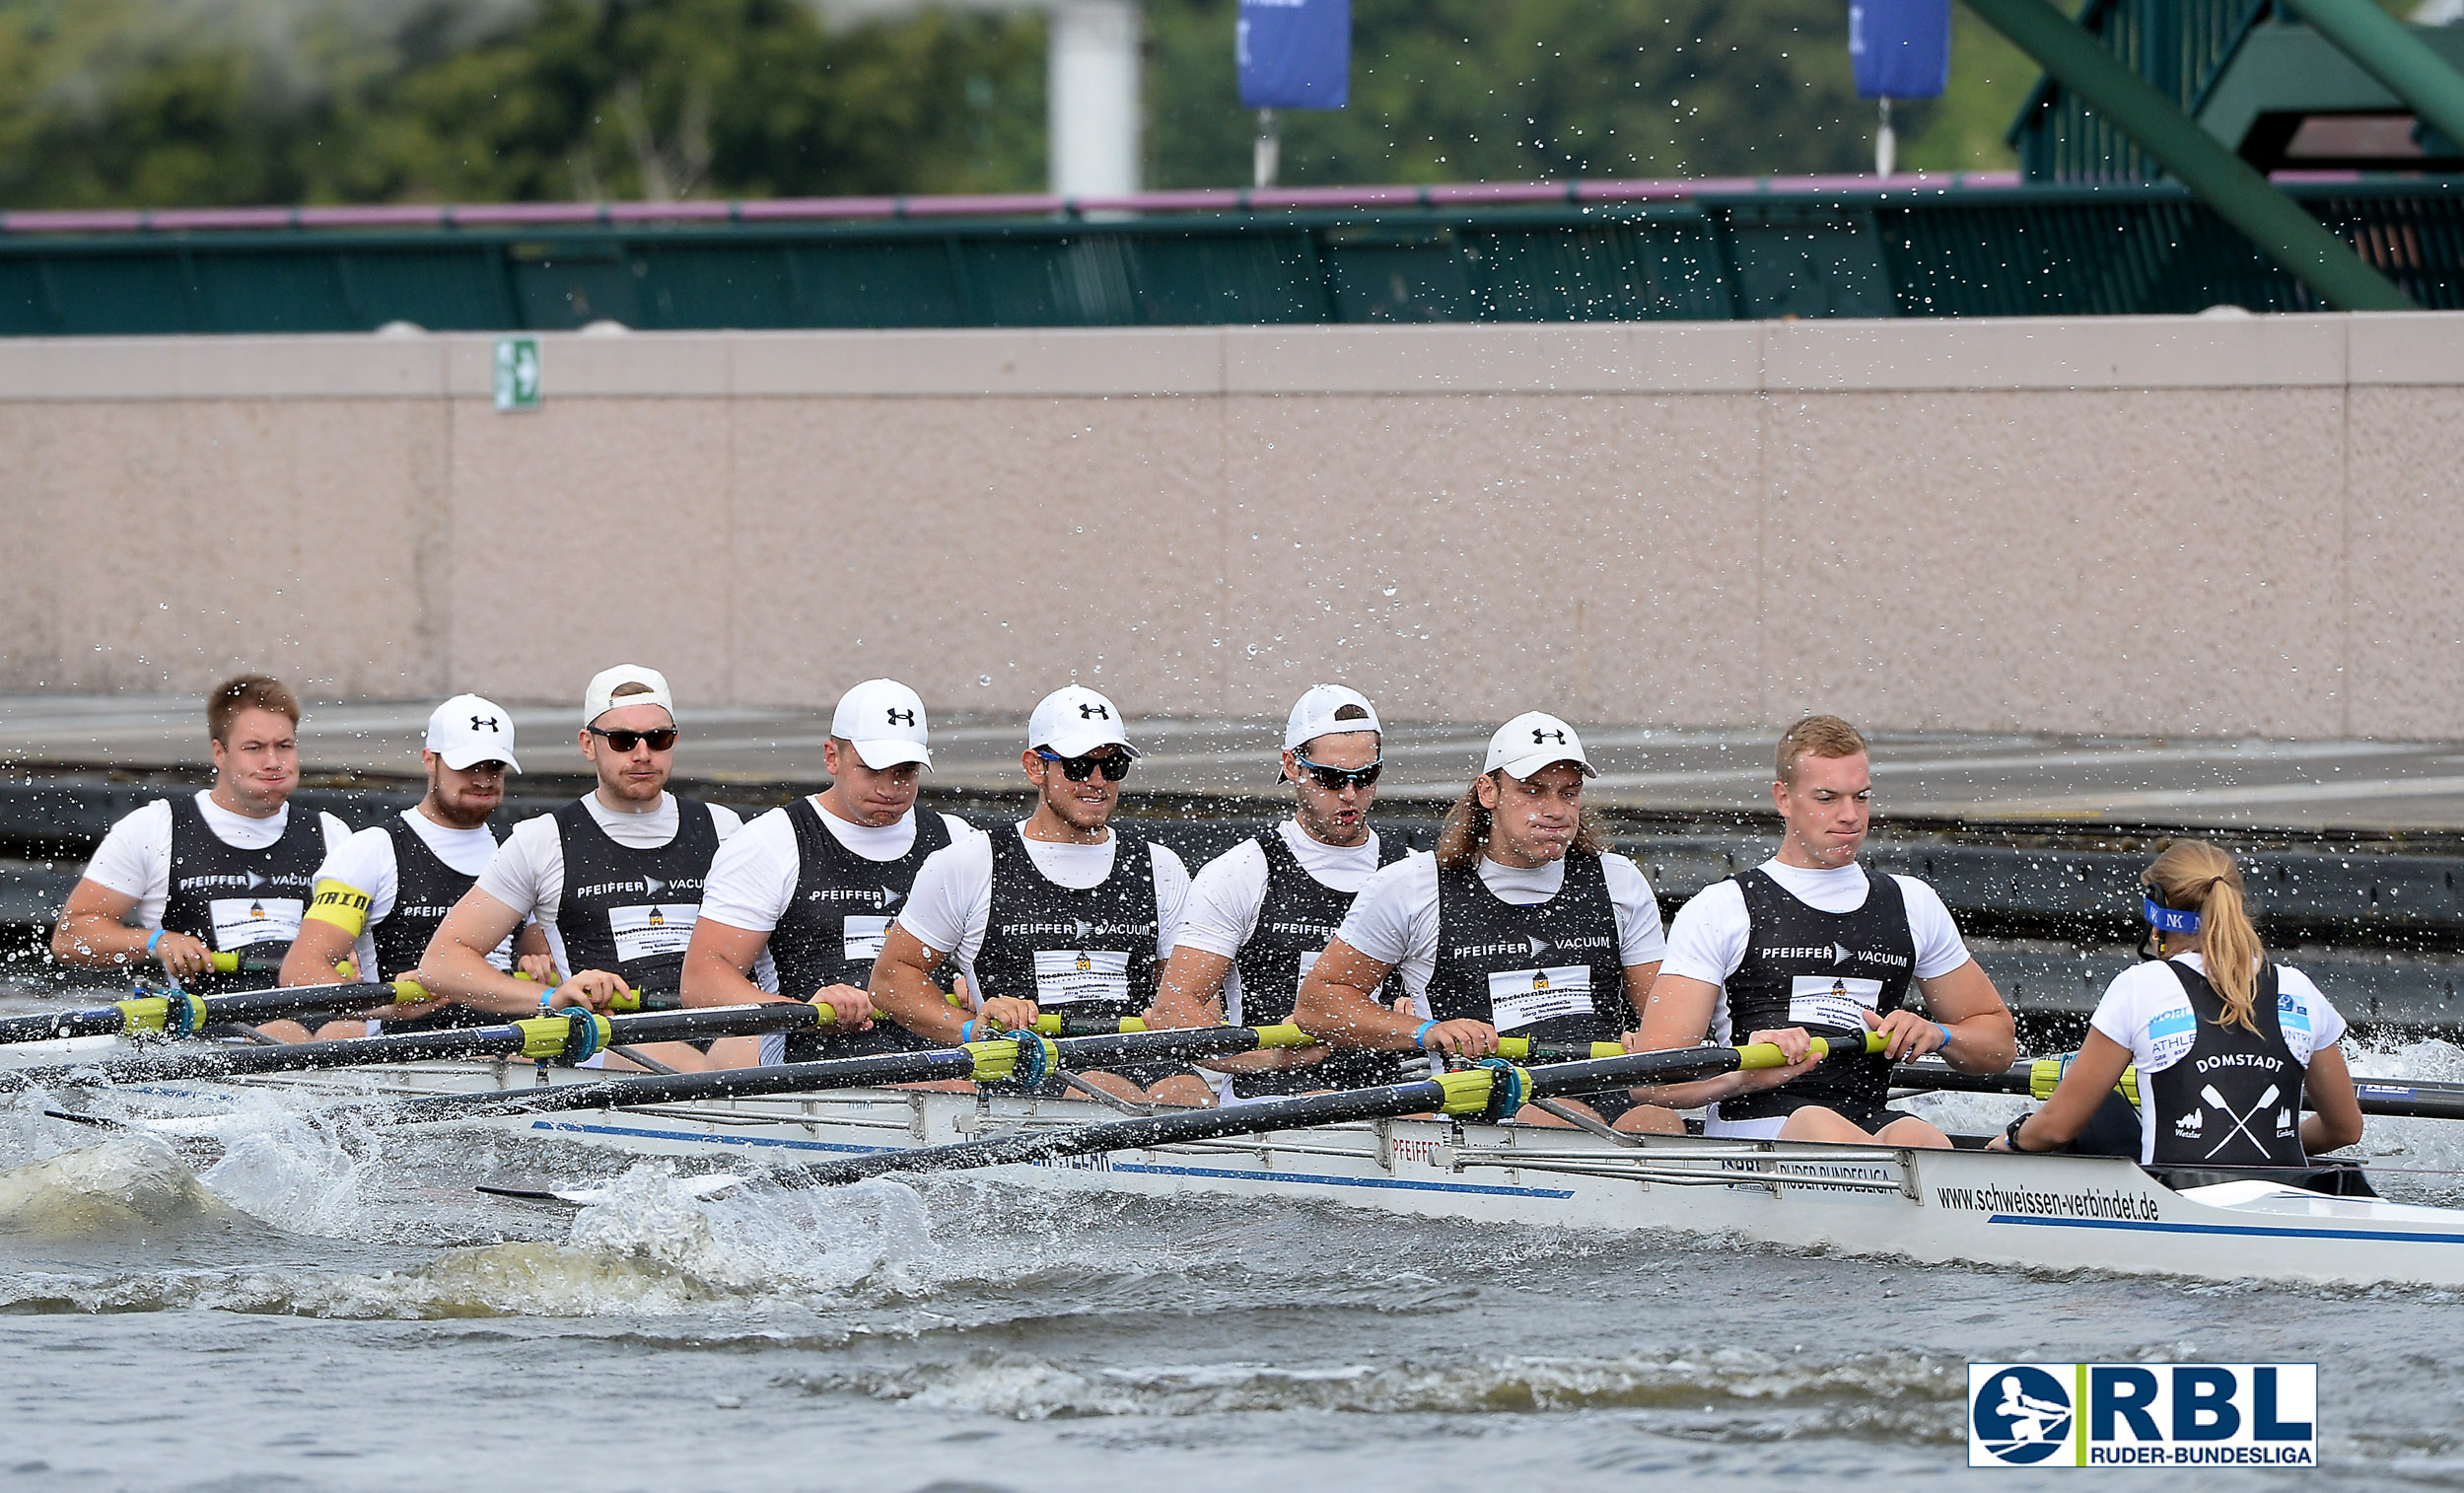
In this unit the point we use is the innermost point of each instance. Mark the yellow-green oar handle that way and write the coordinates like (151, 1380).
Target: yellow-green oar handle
(1769, 1055)
(227, 962)
(2046, 1072)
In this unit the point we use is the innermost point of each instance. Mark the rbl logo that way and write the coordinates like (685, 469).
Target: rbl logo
(2111, 1416)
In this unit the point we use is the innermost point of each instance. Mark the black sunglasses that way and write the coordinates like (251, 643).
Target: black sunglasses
(625, 741)
(1336, 779)
(1115, 765)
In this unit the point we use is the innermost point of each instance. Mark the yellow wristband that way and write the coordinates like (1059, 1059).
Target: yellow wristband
(345, 907)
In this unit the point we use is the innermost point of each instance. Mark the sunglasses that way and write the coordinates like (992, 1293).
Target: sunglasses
(1115, 765)
(1336, 779)
(625, 741)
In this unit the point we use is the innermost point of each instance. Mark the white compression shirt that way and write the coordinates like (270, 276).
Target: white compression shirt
(2146, 1011)
(1226, 894)
(753, 880)
(366, 864)
(528, 871)
(952, 898)
(135, 856)
(1394, 920)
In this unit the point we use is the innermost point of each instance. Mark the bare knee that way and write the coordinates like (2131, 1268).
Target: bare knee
(336, 1032)
(1650, 1120)
(1114, 1085)
(1813, 1122)
(1186, 1090)
(286, 1030)
(1912, 1132)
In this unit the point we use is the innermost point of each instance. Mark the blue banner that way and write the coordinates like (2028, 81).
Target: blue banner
(1294, 53)
(1900, 49)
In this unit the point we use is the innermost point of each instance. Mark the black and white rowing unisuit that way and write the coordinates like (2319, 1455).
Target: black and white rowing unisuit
(1552, 970)
(628, 910)
(2234, 1099)
(1296, 919)
(236, 900)
(832, 930)
(425, 890)
(1082, 953)
(1822, 972)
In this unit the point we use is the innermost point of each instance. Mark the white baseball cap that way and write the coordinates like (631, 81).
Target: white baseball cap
(1074, 721)
(469, 729)
(884, 720)
(1313, 715)
(1533, 741)
(600, 697)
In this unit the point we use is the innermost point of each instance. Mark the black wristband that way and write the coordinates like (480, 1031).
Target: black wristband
(2010, 1133)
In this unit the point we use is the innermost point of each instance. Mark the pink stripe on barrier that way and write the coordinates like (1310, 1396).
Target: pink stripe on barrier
(1014, 204)
(796, 209)
(697, 211)
(520, 213)
(379, 215)
(990, 205)
(75, 221)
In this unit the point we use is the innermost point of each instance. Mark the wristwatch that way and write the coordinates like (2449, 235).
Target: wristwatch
(2011, 1132)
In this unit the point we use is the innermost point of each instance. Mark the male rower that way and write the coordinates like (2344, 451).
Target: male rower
(1524, 923)
(1056, 913)
(1260, 913)
(815, 884)
(614, 878)
(1806, 945)
(379, 898)
(226, 871)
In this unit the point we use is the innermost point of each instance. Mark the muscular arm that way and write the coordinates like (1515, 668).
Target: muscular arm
(2083, 1086)
(1639, 981)
(2329, 1086)
(1677, 1014)
(718, 971)
(1965, 1004)
(1339, 1003)
(457, 965)
(92, 936)
(903, 991)
(314, 955)
(1191, 994)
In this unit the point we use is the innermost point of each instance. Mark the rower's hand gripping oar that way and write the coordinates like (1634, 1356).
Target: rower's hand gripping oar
(573, 1034)
(1026, 1058)
(1492, 1090)
(182, 1013)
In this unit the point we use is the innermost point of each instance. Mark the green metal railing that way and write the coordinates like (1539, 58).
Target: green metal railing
(2178, 46)
(1715, 255)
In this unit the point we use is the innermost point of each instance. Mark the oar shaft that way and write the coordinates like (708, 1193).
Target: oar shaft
(1468, 1091)
(990, 1059)
(545, 1036)
(177, 1013)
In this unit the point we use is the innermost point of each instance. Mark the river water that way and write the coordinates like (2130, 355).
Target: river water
(283, 1309)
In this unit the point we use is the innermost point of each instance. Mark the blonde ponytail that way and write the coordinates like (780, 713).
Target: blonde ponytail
(2193, 876)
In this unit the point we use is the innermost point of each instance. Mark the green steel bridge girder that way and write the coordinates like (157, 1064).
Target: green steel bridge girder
(2388, 50)
(2228, 185)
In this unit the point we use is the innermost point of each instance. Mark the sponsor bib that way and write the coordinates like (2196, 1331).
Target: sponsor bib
(241, 922)
(1830, 1000)
(1517, 998)
(861, 938)
(647, 932)
(1065, 976)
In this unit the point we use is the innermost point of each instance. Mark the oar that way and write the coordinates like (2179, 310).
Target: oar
(572, 1035)
(1492, 1090)
(1027, 1059)
(177, 1013)
(2395, 1098)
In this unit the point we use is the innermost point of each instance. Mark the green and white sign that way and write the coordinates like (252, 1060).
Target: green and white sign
(517, 373)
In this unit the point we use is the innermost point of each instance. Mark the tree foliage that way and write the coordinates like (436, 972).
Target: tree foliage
(200, 101)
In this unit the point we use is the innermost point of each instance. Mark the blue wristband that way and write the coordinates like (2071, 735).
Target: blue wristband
(547, 998)
(1419, 1036)
(153, 938)
(1945, 1032)
(966, 1031)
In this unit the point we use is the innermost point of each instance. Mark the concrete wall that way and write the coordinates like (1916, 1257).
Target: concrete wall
(2161, 526)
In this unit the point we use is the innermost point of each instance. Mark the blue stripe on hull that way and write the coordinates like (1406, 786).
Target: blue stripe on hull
(2254, 1231)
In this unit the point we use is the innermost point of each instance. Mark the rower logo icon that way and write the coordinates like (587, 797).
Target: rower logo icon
(889, 898)
(1840, 953)
(655, 884)
(483, 723)
(2021, 1415)
(898, 717)
(254, 880)
(1538, 945)
(1084, 927)
(1091, 712)
(1540, 737)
